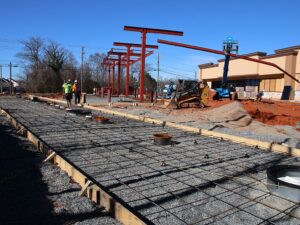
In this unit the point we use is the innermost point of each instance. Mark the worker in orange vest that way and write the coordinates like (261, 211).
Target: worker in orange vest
(77, 92)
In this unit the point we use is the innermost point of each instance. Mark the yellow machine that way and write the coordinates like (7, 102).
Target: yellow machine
(189, 94)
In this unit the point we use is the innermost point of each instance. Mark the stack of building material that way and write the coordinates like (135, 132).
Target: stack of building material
(251, 91)
(240, 92)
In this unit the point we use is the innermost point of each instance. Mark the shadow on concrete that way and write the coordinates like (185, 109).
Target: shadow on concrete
(23, 193)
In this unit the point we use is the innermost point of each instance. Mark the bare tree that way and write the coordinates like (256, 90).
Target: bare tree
(69, 69)
(31, 56)
(32, 51)
(97, 70)
(54, 58)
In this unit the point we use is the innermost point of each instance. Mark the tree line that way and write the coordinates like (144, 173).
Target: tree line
(47, 65)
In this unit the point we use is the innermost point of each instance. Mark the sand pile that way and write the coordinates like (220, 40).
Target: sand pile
(230, 115)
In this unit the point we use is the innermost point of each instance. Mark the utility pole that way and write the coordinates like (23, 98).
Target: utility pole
(157, 89)
(10, 80)
(81, 74)
(1, 90)
(195, 75)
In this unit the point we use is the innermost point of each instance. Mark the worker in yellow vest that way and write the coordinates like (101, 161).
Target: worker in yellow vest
(68, 92)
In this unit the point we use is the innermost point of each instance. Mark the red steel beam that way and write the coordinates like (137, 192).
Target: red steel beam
(116, 60)
(223, 53)
(144, 32)
(139, 59)
(134, 45)
(153, 30)
(123, 53)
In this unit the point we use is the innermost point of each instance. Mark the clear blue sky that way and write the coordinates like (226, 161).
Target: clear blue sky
(258, 25)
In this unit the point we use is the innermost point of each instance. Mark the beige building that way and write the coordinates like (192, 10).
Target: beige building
(244, 73)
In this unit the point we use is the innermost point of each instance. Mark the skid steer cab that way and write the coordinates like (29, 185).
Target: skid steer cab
(189, 93)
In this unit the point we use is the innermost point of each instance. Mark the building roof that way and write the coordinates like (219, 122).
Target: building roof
(262, 55)
(287, 49)
(207, 65)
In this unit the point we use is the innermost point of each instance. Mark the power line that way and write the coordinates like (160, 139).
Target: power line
(176, 69)
(177, 74)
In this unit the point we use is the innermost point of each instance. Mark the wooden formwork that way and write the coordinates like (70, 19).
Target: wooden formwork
(269, 146)
(94, 192)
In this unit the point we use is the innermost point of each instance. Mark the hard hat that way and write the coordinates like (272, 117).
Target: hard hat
(75, 81)
(69, 80)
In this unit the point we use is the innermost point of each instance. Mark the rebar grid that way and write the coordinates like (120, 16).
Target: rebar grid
(159, 180)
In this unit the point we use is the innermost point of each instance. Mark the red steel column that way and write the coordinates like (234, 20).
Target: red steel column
(113, 78)
(142, 75)
(108, 78)
(127, 71)
(119, 75)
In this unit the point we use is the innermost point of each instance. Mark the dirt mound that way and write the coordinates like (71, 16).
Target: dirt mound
(229, 115)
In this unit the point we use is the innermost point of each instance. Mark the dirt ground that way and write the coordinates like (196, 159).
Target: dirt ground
(274, 112)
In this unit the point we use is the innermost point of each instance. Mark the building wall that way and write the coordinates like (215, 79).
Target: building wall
(272, 79)
(269, 70)
(211, 73)
(244, 67)
(297, 73)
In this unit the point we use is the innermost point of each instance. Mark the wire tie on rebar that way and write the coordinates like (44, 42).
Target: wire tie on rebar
(163, 163)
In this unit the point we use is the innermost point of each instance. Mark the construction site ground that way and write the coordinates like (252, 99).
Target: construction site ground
(33, 192)
(194, 180)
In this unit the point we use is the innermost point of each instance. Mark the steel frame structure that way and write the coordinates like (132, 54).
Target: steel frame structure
(129, 46)
(144, 31)
(119, 61)
(119, 54)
